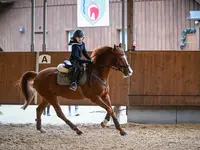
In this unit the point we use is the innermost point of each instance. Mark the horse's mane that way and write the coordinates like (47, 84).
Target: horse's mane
(97, 52)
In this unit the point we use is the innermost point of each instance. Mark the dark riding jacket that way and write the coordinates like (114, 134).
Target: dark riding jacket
(78, 49)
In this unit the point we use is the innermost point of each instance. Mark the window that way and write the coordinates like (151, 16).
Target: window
(125, 38)
(69, 35)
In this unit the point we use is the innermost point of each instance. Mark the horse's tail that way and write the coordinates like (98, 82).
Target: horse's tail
(25, 83)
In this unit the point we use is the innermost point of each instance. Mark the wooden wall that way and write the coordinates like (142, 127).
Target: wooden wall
(159, 24)
(165, 79)
(159, 79)
(62, 17)
(14, 64)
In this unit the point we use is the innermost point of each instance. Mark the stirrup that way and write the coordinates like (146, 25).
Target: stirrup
(73, 86)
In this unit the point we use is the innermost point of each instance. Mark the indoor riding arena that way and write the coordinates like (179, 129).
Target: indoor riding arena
(140, 136)
(140, 91)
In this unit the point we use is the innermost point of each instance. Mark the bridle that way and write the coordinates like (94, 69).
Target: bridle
(121, 67)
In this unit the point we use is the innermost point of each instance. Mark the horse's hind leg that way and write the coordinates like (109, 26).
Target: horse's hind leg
(39, 111)
(54, 102)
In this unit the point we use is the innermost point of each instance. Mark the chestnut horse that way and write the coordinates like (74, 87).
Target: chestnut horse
(96, 87)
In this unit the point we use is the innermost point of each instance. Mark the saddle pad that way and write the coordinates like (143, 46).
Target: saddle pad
(63, 79)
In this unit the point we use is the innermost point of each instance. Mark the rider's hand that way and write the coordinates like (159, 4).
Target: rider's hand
(89, 61)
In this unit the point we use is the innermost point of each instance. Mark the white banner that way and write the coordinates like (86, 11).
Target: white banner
(92, 13)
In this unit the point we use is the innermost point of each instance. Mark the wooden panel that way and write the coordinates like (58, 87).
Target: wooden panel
(167, 68)
(159, 79)
(153, 101)
(118, 88)
(169, 18)
(172, 78)
(12, 66)
(12, 39)
(61, 17)
(159, 24)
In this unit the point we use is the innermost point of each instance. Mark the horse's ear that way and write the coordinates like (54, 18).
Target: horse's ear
(120, 45)
(115, 47)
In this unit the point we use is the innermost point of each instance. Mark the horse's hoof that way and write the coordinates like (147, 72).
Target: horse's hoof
(79, 132)
(103, 125)
(123, 133)
(42, 130)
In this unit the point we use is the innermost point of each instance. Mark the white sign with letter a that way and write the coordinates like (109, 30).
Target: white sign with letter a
(44, 59)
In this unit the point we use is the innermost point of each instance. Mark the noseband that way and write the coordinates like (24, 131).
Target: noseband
(121, 67)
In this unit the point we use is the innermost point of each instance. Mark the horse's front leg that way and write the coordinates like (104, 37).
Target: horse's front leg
(107, 117)
(106, 120)
(117, 125)
(104, 102)
(106, 99)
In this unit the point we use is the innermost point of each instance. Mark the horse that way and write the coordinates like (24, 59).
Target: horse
(96, 87)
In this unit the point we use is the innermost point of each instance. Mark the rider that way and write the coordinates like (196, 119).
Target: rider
(78, 48)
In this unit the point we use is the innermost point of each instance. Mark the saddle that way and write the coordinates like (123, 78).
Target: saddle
(65, 74)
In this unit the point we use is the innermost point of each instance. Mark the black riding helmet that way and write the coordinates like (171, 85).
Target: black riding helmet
(78, 33)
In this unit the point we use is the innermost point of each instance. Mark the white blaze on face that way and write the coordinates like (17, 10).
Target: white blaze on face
(130, 71)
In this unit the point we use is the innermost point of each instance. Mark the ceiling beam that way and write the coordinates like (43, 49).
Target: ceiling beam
(4, 5)
(198, 1)
(7, 1)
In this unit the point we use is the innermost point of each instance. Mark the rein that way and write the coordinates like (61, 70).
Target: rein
(100, 80)
(121, 68)
(114, 68)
